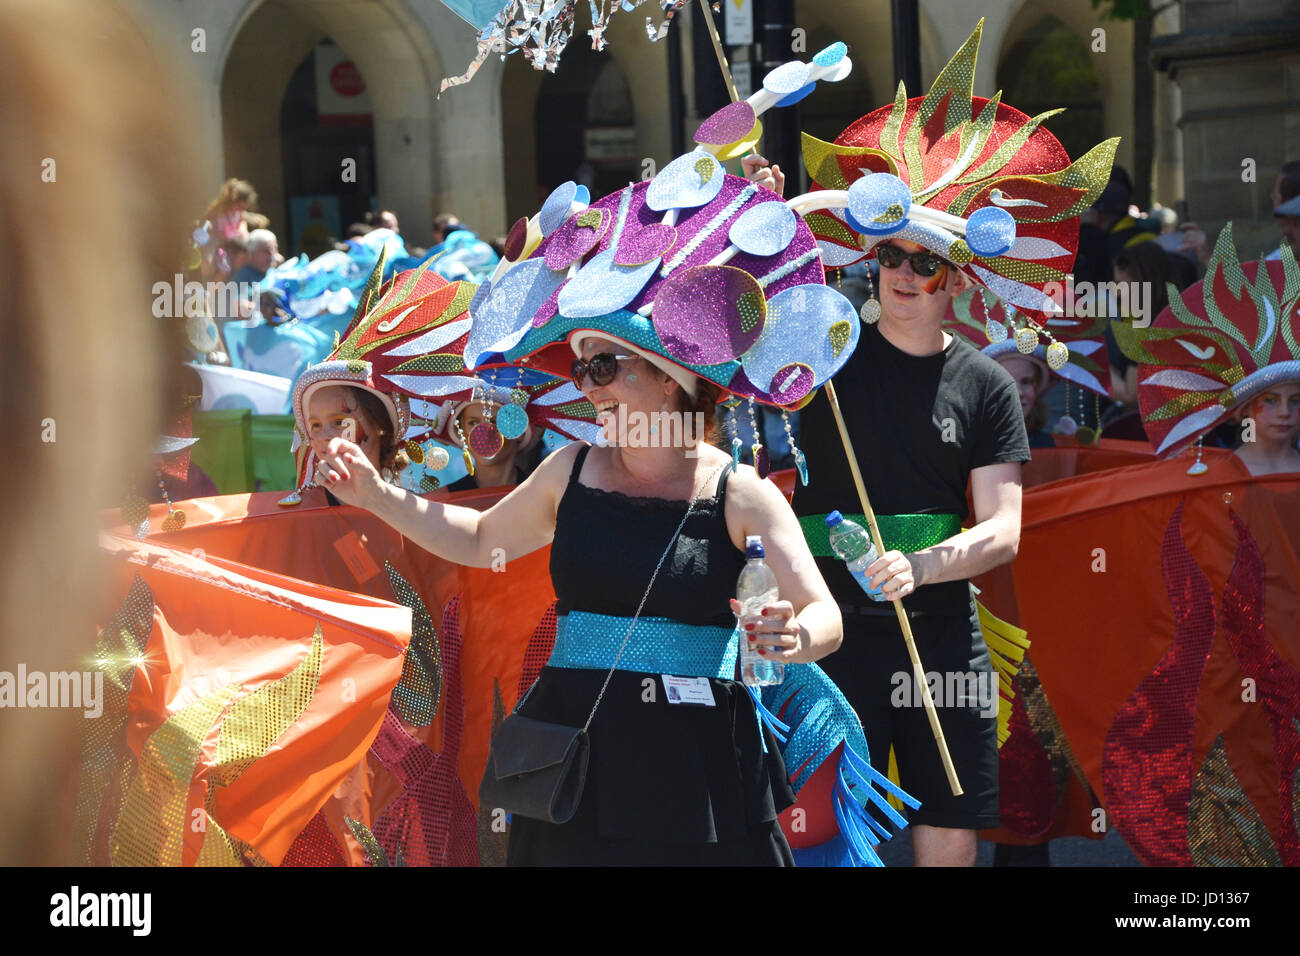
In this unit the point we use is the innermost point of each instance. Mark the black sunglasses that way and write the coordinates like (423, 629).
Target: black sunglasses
(603, 368)
(924, 264)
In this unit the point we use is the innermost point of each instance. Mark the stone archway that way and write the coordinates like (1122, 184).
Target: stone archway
(270, 40)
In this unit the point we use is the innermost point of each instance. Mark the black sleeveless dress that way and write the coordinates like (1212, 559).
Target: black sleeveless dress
(668, 784)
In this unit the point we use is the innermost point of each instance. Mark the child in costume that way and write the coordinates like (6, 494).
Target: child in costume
(1180, 692)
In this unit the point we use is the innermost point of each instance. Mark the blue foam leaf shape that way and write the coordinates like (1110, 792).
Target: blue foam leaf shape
(682, 183)
(787, 78)
(990, 232)
(871, 197)
(506, 313)
(601, 287)
(798, 330)
(831, 55)
(764, 229)
(556, 208)
(797, 95)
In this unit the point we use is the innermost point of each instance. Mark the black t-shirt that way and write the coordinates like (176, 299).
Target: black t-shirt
(919, 426)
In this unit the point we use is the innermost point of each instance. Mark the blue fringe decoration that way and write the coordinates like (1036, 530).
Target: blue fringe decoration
(780, 729)
(820, 720)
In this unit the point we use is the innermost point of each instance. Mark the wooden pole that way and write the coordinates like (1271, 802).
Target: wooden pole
(918, 670)
(717, 48)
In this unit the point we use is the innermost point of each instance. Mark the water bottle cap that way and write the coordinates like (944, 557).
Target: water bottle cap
(833, 519)
(754, 546)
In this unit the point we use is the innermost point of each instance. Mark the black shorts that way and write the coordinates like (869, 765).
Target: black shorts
(874, 671)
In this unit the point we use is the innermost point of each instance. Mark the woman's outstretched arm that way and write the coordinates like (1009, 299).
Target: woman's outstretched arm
(521, 522)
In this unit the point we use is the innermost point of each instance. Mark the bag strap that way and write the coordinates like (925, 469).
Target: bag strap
(662, 558)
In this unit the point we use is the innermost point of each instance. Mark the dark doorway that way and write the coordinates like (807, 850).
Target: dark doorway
(586, 127)
(320, 196)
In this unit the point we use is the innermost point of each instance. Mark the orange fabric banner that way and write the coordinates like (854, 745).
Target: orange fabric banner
(243, 700)
(1162, 609)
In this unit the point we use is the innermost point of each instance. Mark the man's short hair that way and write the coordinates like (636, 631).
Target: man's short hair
(259, 238)
(235, 244)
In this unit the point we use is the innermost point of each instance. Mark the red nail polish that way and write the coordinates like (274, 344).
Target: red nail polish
(749, 627)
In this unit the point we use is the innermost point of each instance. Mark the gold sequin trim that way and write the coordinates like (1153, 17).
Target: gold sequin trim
(257, 720)
(419, 690)
(1223, 827)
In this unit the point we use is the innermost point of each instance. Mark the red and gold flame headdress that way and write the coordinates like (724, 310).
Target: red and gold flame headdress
(972, 179)
(1216, 345)
(406, 345)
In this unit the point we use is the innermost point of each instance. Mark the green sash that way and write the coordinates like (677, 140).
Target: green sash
(906, 533)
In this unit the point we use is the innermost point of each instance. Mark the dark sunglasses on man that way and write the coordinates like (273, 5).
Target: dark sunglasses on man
(602, 367)
(924, 263)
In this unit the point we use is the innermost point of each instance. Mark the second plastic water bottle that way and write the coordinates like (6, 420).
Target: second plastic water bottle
(755, 590)
(852, 544)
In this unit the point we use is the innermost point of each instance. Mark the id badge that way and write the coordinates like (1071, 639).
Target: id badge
(688, 690)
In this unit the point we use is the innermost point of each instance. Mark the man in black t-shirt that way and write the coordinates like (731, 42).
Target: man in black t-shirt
(926, 413)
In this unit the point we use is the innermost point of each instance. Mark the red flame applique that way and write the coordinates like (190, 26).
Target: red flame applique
(433, 822)
(1146, 765)
(1277, 683)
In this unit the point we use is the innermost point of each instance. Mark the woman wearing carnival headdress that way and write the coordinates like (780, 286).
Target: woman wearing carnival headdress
(987, 323)
(657, 300)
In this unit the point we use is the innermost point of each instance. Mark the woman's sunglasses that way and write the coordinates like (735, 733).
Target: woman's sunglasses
(602, 368)
(924, 264)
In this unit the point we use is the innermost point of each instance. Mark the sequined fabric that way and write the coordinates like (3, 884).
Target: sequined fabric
(106, 763)
(1147, 759)
(433, 822)
(906, 533)
(1277, 683)
(1223, 828)
(493, 838)
(255, 721)
(416, 696)
(315, 846)
(151, 828)
(1027, 794)
(538, 651)
(657, 646)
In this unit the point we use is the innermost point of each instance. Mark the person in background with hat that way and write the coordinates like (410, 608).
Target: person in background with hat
(1286, 207)
(510, 466)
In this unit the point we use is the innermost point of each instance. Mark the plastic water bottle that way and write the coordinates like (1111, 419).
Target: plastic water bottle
(755, 590)
(852, 544)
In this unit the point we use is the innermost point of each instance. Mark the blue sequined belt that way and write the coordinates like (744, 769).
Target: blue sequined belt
(658, 645)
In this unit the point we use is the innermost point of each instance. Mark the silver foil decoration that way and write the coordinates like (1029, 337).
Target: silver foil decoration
(541, 29)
